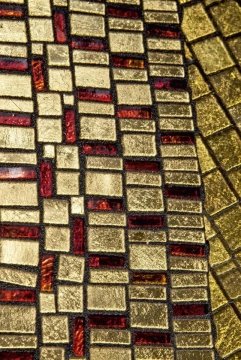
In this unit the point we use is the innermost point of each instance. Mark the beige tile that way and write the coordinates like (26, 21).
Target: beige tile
(57, 238)
(60, 79)
(49, 130)
(103, 183)
(101, 297)
(41, 29)
(92, 76)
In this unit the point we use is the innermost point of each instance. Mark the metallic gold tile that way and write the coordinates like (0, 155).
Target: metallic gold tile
(186, 221)
(125, 24)
(113, 353)
(21, 216)
(139, 145)
(235, 178)
(172, 96)
(195, 355)
(174, 110)
(67, 183)
(58, 55)
(18, 105)
(18, 341)
(192, 16)
(140, 178)
(55, 329)
(189, 280)
(147, 236)
(133, 94)
(153, 353)
(18, 277)
(105, 163)
(139, 125)
(197, 83)
(162, 17)
(205, 159)
(97, 128)
(17, 138)
(54, 353)
(129, 74)
(192, 325)
(87, 25)
(218, 253)
(209, 230)
(47, 303)
(56, 211)
(70, 298)
(106, 239)
(71, 268)
(227, 85)
(164, 58)
(49, 151)
(124, 42)
(235, 45)
(77, 205)
(49, 104)
(189, 294)
(230, 282)
(148, 315)
(228, 17)
(178, 151)
(40, 8)
(186, 235)
(141, 199)
(101, 183)
(160, 5)
(218, 195)
(101, 336)
(60, 79)
(87, 7)
(17, 319)
(57, 238)
(19, 252)
(106, 297)
(67, 157)
(41, 29)
(188, 340)
(37, 48)
(90, 57)
(180, 164)
(49, 130)
(13, 31)
(68, 99)
(99, 276)
(147, 257)
(147, 292)
(164, 44)
(166, 70)
(182, 178)
(177, 205)
(176, 124)
(190, 264)
(134, 2)
(113, 219)
(92, 76)
(13, 50)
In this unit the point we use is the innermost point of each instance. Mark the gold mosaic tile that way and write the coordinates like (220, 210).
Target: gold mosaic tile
(87, 25)
(145, 200)
(126, 42)
(138, 145)
(17, 319)
(155, 315)
(97, 128)
(70, 298)
(55, 329)
(110, 298)
(104, 239)
(101, 183)
(147, 257)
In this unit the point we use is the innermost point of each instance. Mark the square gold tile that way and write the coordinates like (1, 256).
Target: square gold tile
(147, 257)
(57, 238)
(47, 303)
(71, 268)
(67, 183)
(58, 55)
(55, 329)
(141, 199)
(49, 151)
(148, 315)
(41, 29)
(70, 298)
(60, 79)
(49, 104)
(87, 25)
(133, 94)
(228, 17)
(77, 205)
(67, 157)
(103, 183)
(54, 353)
(40, 8)
(139, 145)
(124, 42)
(235, 45)
(106, 297)
(56, 211)
(49, 130)
(198, 85)
(106, 239)
(97, 128)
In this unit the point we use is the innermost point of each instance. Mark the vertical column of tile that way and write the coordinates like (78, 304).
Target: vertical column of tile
(19, 231)
(187, 251)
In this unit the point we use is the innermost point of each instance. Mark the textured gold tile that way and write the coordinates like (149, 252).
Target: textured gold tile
(172, 96)
(147, 292)
(104, 239)
(235, 45)
(19, 252)
(113, 353)
(37, 48)
(174, 110)
(134, 94)
(70, 298)
(54, 353)
(227, 84)
(21, 216)
(148, 315)
(67, 183)
(178, 151)
(119, 337)
(18, 277)
(180, 164)
(40, 8)
(129, 74)
(228, 17)
(83, 6)
(164, 44)
(18, 105)
(191, 294)
(197, 83)
(97, 128)
(140, 178)
(184, 206)
(188, 340)
(47, 303)
(164, 58)
(49, 130)
(49, 104)
(125, 24)
(160, 5)
(15, 85)
(57, 238)
(17, 319)
(141, 199)
(167, 70)
(137, 125)
(134, 2)
(105, 163)
(139, 145)
(13, 50)
(58, 55)
(109, 276)
(230, 282)
(13, 31)
(41, 29)
(60, 79)
(92, 76)
(18, 193)
(106, 297)
(124, 42)
(147, 257)
(147, 236)
(113, 219)
(56, 211)
(68, 99)
(153, 353)
(192, 16)
(209, 230)
(190, 264)
(100, 183)
(235, 178)
(186, 235)
(162, 17)
(87, 25)
(188, 280)
(71, 268)
(205, 159)
(225, 143)
(195, 355)
(67, 157)
(18, 341)
(77, 205)
(186, 221)
(182, 178)
(90, 57)
(176, 124)
(218, 57)
(49, 151)
(192, 325)
(218, 253)
(86, 107)
(55, 329)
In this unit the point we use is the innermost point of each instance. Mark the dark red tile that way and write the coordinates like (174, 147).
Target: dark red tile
(19, 231)
(17, 173)
(182, 192)
(108, 321)
(105, 204)
(132, 165)
(78, 236)
(126, 62)
(134, 113)
(99, 261)
(148, 278)
(47, 273)
(46, 179)
(70, 126)
(60, 27)
(95, 95)
(38, 75)
(13, 355)
(182, 138)
(188, 250)
(15, 119)
(123, 12)
(170, 84)
(99, 149)
(79, 337)
(162, 31)
(88, 44)
(13, 64)
(190, 309)
(15, 295)
(145, 221)
(152, 338)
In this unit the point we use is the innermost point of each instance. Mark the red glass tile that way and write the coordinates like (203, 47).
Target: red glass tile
(46, 179)
(162, 31)
(7, 12)
(123, 12)
(187, 250)
(148, 278)
(105, 204)
(10, 173)
(180, 192)
(19, 231)
(38, 75)
(142, 166)
(152, 338)
(88, 44)
(60, 27)
(108, 321)
(78, 236)
(170, 84)
(95, 95)
(190, 309)
(79, 337)
(13, 355)
(121, 61)
(27, 296)
(69, 124)
(145, 221)
(134, 113)
(15, 119)
(98, 261)
(47, 273)
(13, 64)
(99, 149)
(177, 139)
